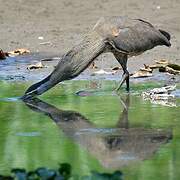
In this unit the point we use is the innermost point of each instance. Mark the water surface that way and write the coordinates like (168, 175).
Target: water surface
(90, 127)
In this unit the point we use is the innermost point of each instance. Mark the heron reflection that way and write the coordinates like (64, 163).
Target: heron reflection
(113, 147)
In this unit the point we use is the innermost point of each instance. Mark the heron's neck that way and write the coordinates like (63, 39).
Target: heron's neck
(84, 53)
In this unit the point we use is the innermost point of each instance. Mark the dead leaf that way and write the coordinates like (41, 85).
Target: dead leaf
(162, 61)
(18, 52)
(146, 68)
(174, 66)
(171, 70)
(140, 74)
(115, 31)
(165, 66)
(102, 71)
(161, 95)
(35, 66)
(161, 90)
(2, 55)
(116, 68)
(93, 66)
(156, 66)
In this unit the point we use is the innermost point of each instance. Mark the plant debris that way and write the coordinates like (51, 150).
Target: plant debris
(146, 68)
(162, 65)
(18, 52)
(160, 95)
(116, 68)
(162, 90)
(2, 55)
(102, 71)
(162, 61)
(36, 66)
(141, 73)
(165, 66)
(93, 65)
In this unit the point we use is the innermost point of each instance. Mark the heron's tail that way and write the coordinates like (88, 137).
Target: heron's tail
(167, 35)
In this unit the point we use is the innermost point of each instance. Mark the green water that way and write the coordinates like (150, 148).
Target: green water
(101, 131)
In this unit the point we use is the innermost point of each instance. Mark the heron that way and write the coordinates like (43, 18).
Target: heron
(122, 36)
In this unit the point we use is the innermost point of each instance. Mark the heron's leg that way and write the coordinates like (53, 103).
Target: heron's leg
(122, 59)
(125, 77)
(123, 119)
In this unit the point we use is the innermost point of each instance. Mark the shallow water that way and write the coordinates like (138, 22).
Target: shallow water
(90, 127)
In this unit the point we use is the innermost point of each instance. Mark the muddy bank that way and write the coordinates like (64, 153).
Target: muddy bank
(51, 28)
(15, 69)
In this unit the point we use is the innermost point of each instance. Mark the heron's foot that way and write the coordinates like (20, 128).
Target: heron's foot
(125, 77)
(118, 88)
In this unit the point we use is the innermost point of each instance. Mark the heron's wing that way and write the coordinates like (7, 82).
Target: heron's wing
(136, 36)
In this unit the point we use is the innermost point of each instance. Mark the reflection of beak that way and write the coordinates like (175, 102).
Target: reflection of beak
(28, 96)
(67, 120)
(33, 103)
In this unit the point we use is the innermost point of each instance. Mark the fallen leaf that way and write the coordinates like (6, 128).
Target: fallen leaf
(116, 68)
(174, 66)
(18, 52)
(161, 90)
(165, 66)
(140, 74)
(161, 95)
(156, 66)
(2, 55)
(162, 61)
(93, 66)
(115, 32)
(102, 71)
(146, 68)
(171, 70)
(36, 66)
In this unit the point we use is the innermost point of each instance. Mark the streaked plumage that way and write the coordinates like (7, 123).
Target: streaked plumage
(122, 36)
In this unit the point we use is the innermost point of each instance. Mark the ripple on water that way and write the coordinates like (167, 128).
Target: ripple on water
(10, 99)
(28, 134)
